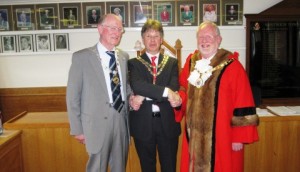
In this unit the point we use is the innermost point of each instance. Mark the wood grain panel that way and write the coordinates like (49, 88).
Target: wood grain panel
(278, 146)
(13, 101)
(48, 146)
(11, 152)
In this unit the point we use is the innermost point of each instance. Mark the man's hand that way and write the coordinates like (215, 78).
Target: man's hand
(135, 101)
(80, 138)
(174, 98)
(237, 146)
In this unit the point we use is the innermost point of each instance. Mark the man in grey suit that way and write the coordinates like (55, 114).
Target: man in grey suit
(97, 103)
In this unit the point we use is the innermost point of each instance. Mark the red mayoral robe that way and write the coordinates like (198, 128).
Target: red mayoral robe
(219, 113)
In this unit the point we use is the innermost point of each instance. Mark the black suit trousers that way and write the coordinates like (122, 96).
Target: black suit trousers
(166, 147)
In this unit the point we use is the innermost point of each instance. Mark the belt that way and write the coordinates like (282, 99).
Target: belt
(156, 114)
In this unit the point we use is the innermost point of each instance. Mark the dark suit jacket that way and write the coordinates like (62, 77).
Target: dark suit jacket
(141, 84)
(93, 20)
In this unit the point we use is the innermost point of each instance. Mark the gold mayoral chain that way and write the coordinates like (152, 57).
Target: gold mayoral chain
(116, 78)
(200, 81)
(160, 66)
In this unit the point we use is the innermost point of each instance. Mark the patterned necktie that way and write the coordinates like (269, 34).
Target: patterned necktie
(115, 82)
(153, 64)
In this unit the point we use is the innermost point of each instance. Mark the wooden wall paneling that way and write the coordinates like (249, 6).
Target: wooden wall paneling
(278, 147)
(11, 151)
(47, 144)
(37, 99)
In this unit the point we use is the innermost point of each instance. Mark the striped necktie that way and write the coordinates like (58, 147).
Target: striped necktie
(115, 82)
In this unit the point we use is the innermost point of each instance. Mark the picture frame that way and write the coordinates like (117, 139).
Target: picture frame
(43, 42)
(120, 9)
(61, 41)
(47, 16)
(232, 12)
(6, 18)
(140, 12)
(92, 12)
(24, 17)
(8, 43)
(70, 15)
(210, 11)
(164, 11)
(25, 43)
(187, 13)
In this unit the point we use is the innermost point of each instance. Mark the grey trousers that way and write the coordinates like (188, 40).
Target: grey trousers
(115, 147)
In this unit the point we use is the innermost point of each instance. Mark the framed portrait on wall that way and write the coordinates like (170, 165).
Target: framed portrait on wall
(24, 17)
(164, 11)
(61, 41)
(25, 43)
(210, 11)
(187, 13)
(43, 42)
(47, 16)
(5, 18)
(70, 15)
(140, 12)
(92, 11)
(8, 43)
(120, 9)
(232, 12)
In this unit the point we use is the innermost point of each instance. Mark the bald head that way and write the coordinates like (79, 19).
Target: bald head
(106, 17)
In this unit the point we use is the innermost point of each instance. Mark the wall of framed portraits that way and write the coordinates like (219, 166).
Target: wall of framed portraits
(38, 37)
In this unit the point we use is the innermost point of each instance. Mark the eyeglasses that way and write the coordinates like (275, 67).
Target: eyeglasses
(114, 29)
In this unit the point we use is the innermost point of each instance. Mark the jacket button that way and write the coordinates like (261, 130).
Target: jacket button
(105, 117)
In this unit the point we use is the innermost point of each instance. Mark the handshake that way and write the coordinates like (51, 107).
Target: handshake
(174, 98)
(136, 101)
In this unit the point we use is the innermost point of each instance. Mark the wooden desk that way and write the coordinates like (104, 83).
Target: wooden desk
(47, 144)
(278, 147)
(11, 151)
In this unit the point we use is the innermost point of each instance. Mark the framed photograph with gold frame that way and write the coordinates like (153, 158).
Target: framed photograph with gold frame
(187, 13)
(5, 18)
(120, 9)
(164, 11)
(70, 15)
(47, 16)
(24, 17)
(232, 12)
(140, 12)
(92, 11)
(210, 11)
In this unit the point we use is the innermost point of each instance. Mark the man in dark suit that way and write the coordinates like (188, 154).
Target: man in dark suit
(46, 18)
(154, 81)
(97, 99)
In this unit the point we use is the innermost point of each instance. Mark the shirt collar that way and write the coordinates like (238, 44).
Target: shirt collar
(151, 55)
(101, 47)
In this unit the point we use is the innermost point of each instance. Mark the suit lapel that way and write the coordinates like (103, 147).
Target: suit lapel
(148, 74)
(160, 58)
(123, 67)
(96, 63)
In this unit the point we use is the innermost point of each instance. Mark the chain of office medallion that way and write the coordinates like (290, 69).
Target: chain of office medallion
(149, 66)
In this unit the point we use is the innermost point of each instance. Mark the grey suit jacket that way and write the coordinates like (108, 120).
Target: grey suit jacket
(87, 96)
